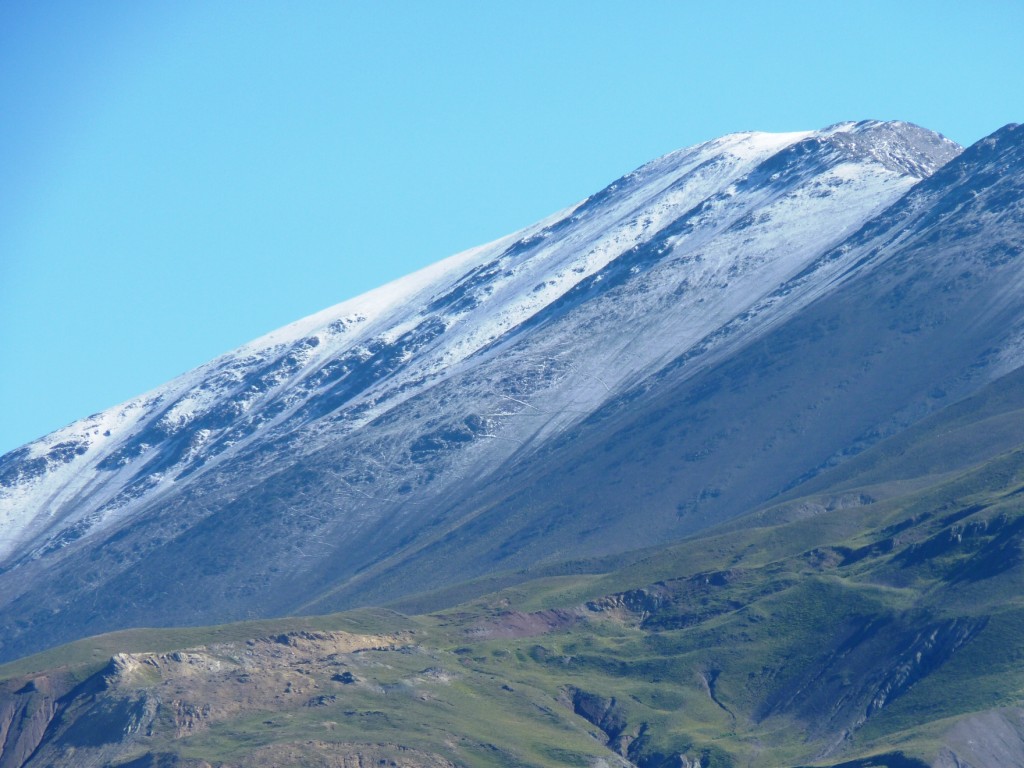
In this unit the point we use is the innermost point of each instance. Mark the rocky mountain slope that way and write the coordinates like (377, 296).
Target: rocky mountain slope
(704, 335)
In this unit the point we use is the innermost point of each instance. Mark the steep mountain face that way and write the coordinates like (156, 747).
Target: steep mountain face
(705, 333)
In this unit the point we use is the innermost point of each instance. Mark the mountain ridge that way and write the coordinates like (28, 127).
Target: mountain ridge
(353, 311)
(416, 418)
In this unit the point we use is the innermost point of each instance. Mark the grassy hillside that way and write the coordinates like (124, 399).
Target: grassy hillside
(820, 631)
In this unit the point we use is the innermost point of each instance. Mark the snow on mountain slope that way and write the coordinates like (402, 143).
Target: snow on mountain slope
(393, 399)
(54, 473)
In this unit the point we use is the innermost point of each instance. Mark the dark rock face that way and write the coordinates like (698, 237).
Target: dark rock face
(632, 741)
(25, 714)
(873, 665)
(602, 712)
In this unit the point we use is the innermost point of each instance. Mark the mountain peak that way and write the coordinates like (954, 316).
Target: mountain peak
(900, 146)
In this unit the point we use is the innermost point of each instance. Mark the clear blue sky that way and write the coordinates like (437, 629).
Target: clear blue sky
(177, 178)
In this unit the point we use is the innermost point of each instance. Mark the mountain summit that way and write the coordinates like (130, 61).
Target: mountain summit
(709, 332)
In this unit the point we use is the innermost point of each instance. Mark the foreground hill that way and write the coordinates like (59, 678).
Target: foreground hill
(876, 622)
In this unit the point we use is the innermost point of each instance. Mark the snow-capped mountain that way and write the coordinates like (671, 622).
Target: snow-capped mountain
(526, 390)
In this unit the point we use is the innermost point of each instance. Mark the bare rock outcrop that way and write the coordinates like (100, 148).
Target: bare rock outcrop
(27, 706)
